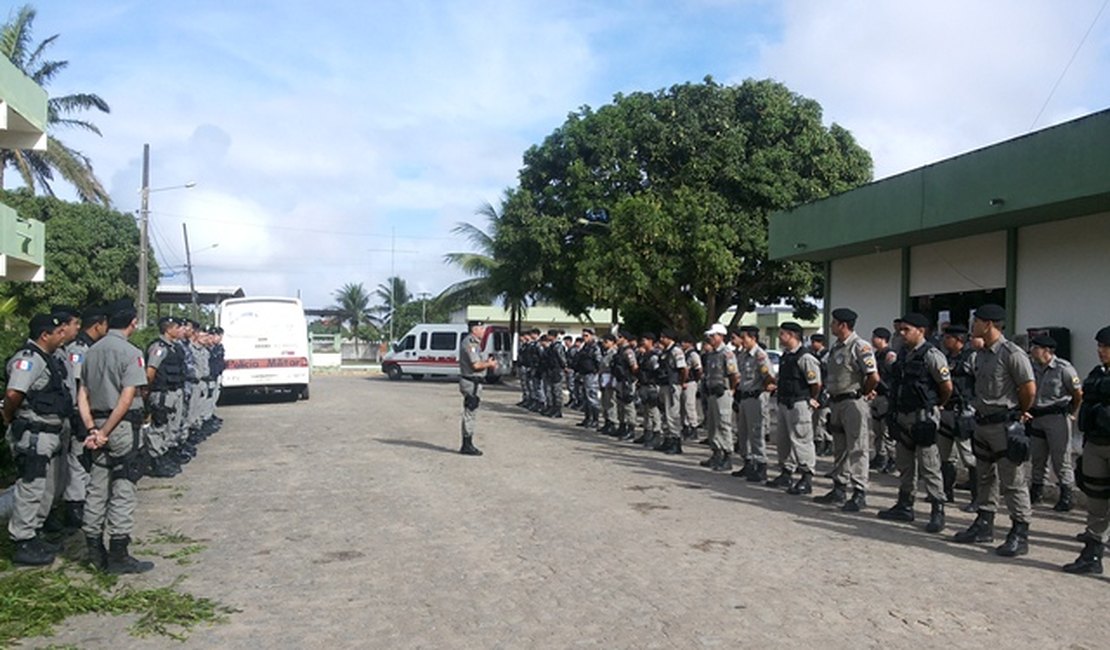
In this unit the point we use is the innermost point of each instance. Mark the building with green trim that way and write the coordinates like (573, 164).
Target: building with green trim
(1024, 223)
(22, 126)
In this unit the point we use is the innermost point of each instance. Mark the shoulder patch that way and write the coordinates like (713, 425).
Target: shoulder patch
(864, 347)
(869, 362)
(24, 364)
(811, 375)
(1075, 381)
(944, 371)
(142, 364)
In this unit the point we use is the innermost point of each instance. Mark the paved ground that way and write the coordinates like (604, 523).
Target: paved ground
(350, 521)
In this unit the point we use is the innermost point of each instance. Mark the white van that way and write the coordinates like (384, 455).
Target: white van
(429, 349)
(265, 344)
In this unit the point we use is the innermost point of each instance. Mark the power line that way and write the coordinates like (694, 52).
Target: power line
(255, 224)
(1068, 66)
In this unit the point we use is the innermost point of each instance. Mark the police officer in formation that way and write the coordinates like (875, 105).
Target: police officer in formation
(755, 377)
(554, 365)
(165, 371)
(1093, 469)
(673, 374)
(691, 419)
(882, 443)
(957, 420)
(822, 439)
(1059, 394)
(608, 386)
(587, 365)
(722, 375)
(94, 326)
(797, 390)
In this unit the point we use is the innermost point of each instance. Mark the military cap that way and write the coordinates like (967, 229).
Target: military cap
(668, 334)
(93, 313)
(915, 319)
(1044, 341)
(791, 326)
(845, 315)
(43, 323)
(817, 338)
(587, 330)
(955, 330)
(991, 312)
(1103, 336)
(649, 336)
(64, 312)
(716, 328)
(734, 331)
(610, 337)
(882, 332)
(218, 330)
(750, 329)
(169, 319)
(119, 306)
(553, 332)
(475, 323)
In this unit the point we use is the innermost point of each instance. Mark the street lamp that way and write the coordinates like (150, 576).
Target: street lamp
(144, 237)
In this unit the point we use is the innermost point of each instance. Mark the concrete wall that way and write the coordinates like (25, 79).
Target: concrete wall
(871, 285)
(1063, 271)
(965, 264)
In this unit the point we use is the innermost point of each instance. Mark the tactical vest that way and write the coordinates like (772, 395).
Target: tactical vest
(620, 367)
(1094, 412)
(963, 379)
(912, 385)
(695, 372)
(650, 369)
(587, 359)
(54, 398)
(668, 368)
(216, 364)
(792, 384)
(713, 366)
(885, 372)
(170, 374)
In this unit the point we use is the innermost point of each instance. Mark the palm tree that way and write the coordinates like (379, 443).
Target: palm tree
(37, 168)
(393, 294)
(352, 305)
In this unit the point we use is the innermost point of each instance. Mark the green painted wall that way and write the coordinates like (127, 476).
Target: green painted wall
(23, 95)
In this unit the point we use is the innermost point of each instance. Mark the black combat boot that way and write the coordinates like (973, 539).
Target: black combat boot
(1036, 493)
(712, 460)
(758, 473)
(1064, 503)
(585, 418)
(30, 552)
(644, 437)
(45, 544)
(900, 511)
(74, 515)
(628, 434)
(1017, 541)
(980, 530)
(606, 428)
(877, 463)
(724, 463)
(662, 442)
(804, 485)
(746, 470)
(120, 561)
(468, 448)
(675, 448)
(857, 502)
(1089, 560)
(97, 555)
(973, 505)
(783, 480)
(948, 475)
(163, 467)
(837, 495)
(936, 518)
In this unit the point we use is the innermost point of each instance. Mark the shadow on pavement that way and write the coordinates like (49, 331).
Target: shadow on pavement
(416, 444)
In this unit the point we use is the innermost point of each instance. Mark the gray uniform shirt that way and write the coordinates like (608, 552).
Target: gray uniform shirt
(27, 371)
(999, 370)
(848, 362)
(755, 368)
(200, 357)
(1055, 383)
(469, 356)
(693, 362)
(678, 357)
(110, 366)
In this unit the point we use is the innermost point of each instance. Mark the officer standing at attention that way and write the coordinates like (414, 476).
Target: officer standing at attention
(1059, 394)
(605, 379)
(112, 410)
(588, 363)
(957, 420)
(822, 439)
(799, 384)
(522, 361)
(1093, 470)
(165, 377)
(94, 325)
(852, 377)
(36, 402)
(673, 372)
(625, 367)
(921, 383)
(885, 356)
(472, 372)
(754, 368)
(690, 387)
(555, 367)
(1004, 392)
(649, 382)
(721, 378)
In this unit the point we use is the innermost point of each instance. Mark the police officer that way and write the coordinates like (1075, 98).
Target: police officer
(472, 372)
(755, 375)
(674, 373)
(216, 366)
(1093, 470)
(36, 403)
(799, 384)
(722, 375)
(555, 367)
(538, 401)
(198, 386)
(525, 342)
(588, 364)
(690, 420)
(885, 356)
(852, 377)
(822, 439)
(608, 386)
(94, 325)
(920, 384)
(165, 375)
(1004, 392)
(957, 420)
(111, 406)
(625, 368)
(1059, 393)
(649, 380)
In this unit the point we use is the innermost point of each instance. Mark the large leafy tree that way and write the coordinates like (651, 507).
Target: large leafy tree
(352, 306)
(660, 200)
(38, 168)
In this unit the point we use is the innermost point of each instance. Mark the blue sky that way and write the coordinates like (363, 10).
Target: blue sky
(315, 131)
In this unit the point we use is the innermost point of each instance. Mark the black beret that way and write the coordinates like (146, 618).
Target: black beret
(1103, 336)
(93, 312)
(915, 319)
(818, 338)
(65, 312)
(610, 337)
(475, 323)
(553, 332)
(43, 323)
(750, 329)
(169, 319)
(587, 330)
(668, 334)
(791, 326)
(119, 306)
(881, 332)
(991, 312)
(955, 330)
(648, 335)
(845, 315)
(1044, 341)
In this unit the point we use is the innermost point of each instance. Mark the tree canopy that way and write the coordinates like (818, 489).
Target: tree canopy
(657, 204)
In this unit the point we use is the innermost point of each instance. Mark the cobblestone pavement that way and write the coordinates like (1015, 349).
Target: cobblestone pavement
(350, 521)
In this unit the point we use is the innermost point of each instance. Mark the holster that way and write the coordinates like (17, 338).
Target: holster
(965, 425)
(924, 433)
(471, 402)
(1017, 443)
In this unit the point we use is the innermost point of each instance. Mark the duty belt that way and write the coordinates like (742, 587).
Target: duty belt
(476, 380)
(843, 396)
(1001, 417)
(1038, 411)
(37, 427)
(748, 394)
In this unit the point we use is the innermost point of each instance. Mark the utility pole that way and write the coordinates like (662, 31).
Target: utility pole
(144, 241)
(189, 268)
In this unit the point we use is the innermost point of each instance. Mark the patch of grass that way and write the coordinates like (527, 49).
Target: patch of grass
(165, 611)
(167, 536)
